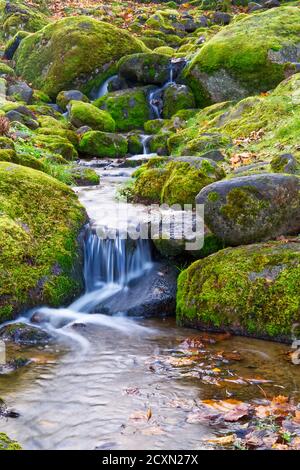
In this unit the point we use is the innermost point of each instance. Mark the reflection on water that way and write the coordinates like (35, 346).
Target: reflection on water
(100, 399)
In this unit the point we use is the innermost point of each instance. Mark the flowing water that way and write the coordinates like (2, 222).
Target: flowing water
(110, 382)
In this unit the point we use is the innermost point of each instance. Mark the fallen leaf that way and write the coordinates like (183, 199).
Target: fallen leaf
(224, 440)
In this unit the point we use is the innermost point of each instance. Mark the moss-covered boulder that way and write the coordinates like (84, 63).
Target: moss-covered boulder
(186, 176)
(9, 155)
(83, 176)
(252, 290)
(103, 144)
(174, 181)
(6, 70)
(56, 144)
(65, 97)
(60, 132)
(253, 208)
(145, 68)
(175, 98)
(85, 114)
(72, 53)
(249, 56)
(18, 16)
(129, 108)
(39, 223)
(7, 444)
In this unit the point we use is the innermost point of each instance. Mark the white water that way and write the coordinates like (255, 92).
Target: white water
(103, 90)
(155, 96)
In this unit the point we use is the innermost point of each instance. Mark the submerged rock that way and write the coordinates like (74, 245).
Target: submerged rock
(252, 208)
(72, 52)
(152, 295)
(251, 290)
(21, 333)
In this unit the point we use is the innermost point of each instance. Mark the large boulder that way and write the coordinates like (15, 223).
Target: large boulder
(148, 68)
(252, 290)
(249, 56)
(252, 208)
(129, 108)
(40, 221)
(85, 114)
(64, 97)
(103, 144)
(72, 53)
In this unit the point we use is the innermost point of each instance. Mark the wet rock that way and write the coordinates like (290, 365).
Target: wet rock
(272, 4)
(64, 98)
(203, 21)
(13, 365)
(175, 98)
(27, 335)
(221, 18)
(13, 44)
(22, 119)
(116, 84)
(153, 295)
(215, 155)
(21, 92)
(252, 6)
(252, 208)
(145, 68)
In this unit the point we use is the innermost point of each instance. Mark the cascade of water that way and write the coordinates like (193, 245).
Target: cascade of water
(103, 90)
(155, 96)
(114, 261)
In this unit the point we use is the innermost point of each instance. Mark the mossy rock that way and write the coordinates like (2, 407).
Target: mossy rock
(49, 121)
(152, 42)
(252, 290)
(85, 114)
(253, 208)
(8, 444)
(24, 19)
(247, 57)
(12, 45)
(6, 70)
(129, 108)
(154, 126)
(103, 144)
(65, 97)
(22, 333)
(21, 159)
(84, 176)
(165, 50)
(39, 253)
(187, 176)
(135, 146)
(6, 143)
(147, 69)
(175, 98)
(57, 131)
(174, 181)
(56, 144)
(71, 53)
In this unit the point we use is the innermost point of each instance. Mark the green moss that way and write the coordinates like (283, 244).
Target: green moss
(21, 159)
(177, 97)
(128, 108)
(103, 144)
(135, 146)
(252, 289)
(186, 180)
(165, 50)
(6, 69)
(6, 443)
(71, 52)
(85, 114)
(174, 182)
(154, 126)
(245, 49)
(56, 144)
(26, 20)
(40, 219)
(84, 176)
(6, 143)
(56, 131)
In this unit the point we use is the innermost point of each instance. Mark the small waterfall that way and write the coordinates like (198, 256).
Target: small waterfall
(114, 261)
(103, 89)
(155, 96)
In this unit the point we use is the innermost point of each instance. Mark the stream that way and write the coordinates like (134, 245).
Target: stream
(94, 388)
